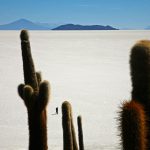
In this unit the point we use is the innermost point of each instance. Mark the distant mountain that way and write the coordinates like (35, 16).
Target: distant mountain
(26, 24)
(83, 27)
(22, 24)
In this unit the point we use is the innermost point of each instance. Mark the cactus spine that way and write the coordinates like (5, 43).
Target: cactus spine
(35, 95)
(136, 114)
(80, 133)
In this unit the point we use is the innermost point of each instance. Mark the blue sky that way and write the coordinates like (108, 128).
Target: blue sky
(118, 13)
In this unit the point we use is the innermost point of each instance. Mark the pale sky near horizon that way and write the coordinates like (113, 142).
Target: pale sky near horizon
(118, 13)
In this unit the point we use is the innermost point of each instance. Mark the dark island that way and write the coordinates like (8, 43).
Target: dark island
(84, 27)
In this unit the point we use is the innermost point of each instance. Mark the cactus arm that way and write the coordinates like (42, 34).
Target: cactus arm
(43, 96)
(80, 133)
(28, 65)
(66, 124)
(20, 90)
(28, 97)
(39, 77)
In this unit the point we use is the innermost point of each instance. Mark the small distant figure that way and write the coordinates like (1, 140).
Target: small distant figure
(57, 110)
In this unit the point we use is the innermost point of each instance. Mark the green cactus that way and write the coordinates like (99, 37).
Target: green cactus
(66, 124)
(35, 95)
(136, 114)
(80, 133)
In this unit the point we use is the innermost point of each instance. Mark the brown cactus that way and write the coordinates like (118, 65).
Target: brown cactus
(66, 124)
(140, 72)
(133, 126)
(80, 133)
(35, 95)
(135, 115)
(69, 136)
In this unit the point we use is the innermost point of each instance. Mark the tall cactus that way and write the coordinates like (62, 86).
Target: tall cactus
(69, 136)
(35, 95)
(137, 112)
(66, 124)
(80, 133)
